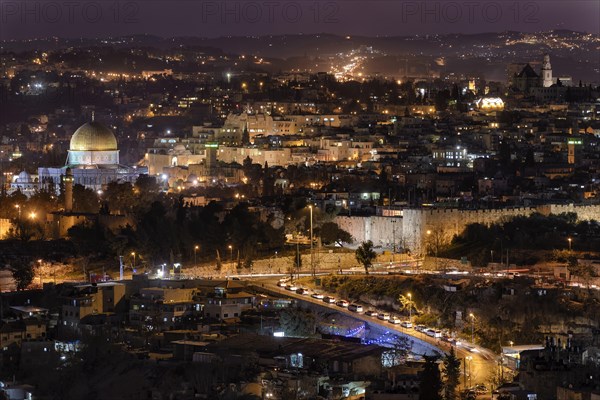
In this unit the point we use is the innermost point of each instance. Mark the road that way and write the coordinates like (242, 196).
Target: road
(479, 365)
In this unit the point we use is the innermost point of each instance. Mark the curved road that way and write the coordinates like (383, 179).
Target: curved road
(482, 365)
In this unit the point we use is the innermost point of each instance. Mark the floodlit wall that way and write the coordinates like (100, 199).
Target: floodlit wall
(411, 229)
(5, 226)
(380, 230)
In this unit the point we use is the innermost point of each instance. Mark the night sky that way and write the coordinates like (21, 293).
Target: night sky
(29, 19)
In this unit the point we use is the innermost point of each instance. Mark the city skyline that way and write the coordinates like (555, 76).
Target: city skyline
(196, 203)
(27, 20)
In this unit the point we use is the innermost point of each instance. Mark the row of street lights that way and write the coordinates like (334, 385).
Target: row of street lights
(32, 214)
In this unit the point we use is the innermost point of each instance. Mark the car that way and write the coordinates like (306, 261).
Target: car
(329, 300)
(395, 320)
(480, 389)
(317, 296)
(406, 324)
(420, 328)
(291, 287)
(371, 313)
(383, 316)
(357, 308)
(303, 291)
(342, 303)
(281, 283)
(433, 333)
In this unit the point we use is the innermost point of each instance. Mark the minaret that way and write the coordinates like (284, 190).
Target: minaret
(547, 79)
(68, 179)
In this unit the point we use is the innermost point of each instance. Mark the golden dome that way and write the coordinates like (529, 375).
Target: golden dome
(93, 136)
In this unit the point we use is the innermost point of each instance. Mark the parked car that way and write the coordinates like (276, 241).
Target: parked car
(355, 308)
(342, 303)
(406, 324)
(317, 296)
(371, 313)
(395, 320)
(291, 287)
(433, 333)
(383, 316)
(303, 291)
(281, 283)
(420, 328)
(328, 299)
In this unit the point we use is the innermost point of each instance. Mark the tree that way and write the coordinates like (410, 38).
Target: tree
(407, 304)
(245, 136)
(85, 200)
(365, 255)
(431, 382)
(296, 322)
(332, 233)
(451, 375)
(25, 230)
(402, 346)
(584, 271)
(22, 273)
(88, 239)
(120, 197)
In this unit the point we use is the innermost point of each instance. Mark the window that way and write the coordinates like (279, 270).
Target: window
(225, 315)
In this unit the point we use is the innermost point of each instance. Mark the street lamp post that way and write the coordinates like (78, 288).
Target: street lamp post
(133, 255)
(410, 308)
(18, 207)
(196, 247)
(469, 359)
(472, 327)
(393, 239)
(230, 254)
(312, 265)
(570, 240)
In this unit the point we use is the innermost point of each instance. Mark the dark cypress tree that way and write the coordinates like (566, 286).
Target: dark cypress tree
(451, 375)
(245, 136)
(431, 381)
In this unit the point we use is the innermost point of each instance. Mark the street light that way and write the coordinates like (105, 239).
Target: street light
(230, 247)
(32, 215)
(393, 239)
(410, 308)
(312, 265)
(18, 207)
(472, 327)
(511, 343)
(196, 247)
(570, 240)
(133, 255)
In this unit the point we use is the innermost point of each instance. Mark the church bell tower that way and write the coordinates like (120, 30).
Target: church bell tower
(547, 79)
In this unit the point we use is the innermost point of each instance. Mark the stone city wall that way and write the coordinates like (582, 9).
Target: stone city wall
(382, 231)
(411, 229)
(5, 225)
